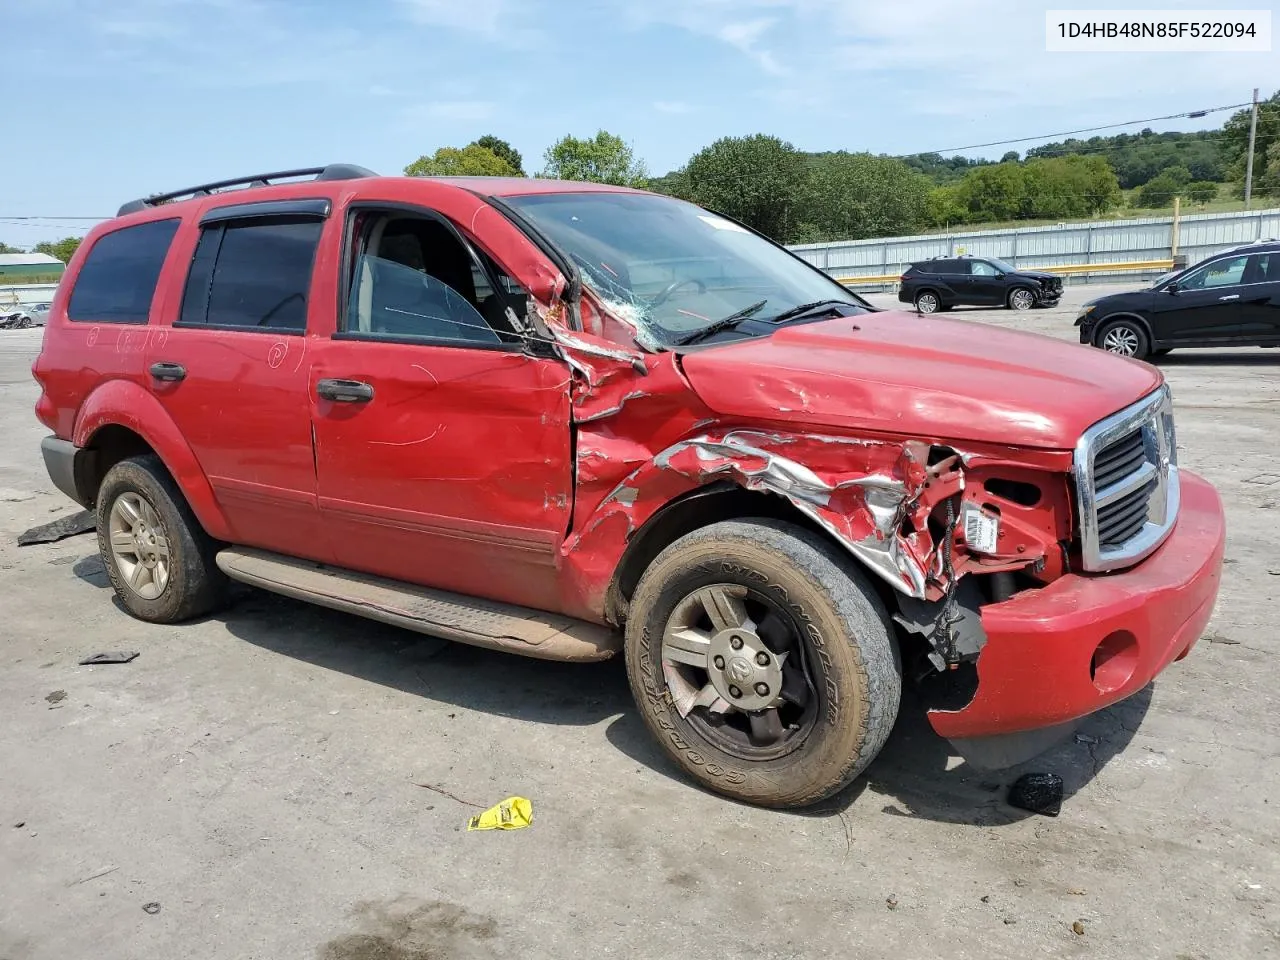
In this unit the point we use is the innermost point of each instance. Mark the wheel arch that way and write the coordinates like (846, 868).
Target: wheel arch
(120, 419)
(703, 507)
(1141, 321)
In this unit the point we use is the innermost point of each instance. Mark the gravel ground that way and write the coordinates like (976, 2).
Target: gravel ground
(255, 775)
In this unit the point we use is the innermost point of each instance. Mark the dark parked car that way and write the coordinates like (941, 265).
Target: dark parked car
(1232, 299)
(945, 282)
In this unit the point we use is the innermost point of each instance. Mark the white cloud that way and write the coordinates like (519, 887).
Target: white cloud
(672, 106)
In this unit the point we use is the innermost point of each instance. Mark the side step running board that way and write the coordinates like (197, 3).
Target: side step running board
(482, 623)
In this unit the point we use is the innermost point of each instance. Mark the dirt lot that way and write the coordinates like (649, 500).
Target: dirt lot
(254, 774)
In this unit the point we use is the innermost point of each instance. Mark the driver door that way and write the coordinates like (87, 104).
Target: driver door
(986, 284)
(1205, 307)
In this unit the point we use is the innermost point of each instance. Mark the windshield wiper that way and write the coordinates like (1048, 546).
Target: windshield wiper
(724, 323)
(808, 308)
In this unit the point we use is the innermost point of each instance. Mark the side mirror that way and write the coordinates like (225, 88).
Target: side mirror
(1171, 288)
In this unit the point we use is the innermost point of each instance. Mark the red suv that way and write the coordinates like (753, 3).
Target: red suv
(569, 420)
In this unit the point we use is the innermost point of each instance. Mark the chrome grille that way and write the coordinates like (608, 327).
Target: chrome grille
(1126, 478)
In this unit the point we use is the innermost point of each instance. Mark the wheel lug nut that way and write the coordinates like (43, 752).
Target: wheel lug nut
(736, 642)
(735, 692)
(719, 662)
(762, 658)
(762, 689)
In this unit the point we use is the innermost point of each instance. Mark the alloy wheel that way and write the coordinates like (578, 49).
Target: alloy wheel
(927, 303)
(1122, 341)
(737, 670)
(139, 545)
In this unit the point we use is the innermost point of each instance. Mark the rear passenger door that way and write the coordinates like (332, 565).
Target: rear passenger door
(232, 368)
(1259, 303)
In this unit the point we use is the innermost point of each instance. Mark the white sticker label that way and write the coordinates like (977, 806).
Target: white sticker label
(981, 530)
(721, 224)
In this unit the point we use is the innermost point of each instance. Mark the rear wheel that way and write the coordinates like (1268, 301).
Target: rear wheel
(762, 661)
(1020, 298)
(927, 302)
(1125, 338)
(158, 557)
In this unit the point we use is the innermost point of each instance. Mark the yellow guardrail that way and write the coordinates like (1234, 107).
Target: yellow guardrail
(1068, 269)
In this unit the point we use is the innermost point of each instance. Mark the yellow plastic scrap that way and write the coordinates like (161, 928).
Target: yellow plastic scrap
(511, 814)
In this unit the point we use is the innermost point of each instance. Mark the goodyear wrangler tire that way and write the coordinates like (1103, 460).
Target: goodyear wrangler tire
(763, 662)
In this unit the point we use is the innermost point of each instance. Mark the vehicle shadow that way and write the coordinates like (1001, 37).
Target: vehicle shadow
(917, 770)
(1255, 357)
(924, 779)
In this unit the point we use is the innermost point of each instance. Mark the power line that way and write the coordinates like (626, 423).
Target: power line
(1070, 133)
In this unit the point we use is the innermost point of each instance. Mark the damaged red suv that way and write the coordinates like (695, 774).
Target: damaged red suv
(570, 421)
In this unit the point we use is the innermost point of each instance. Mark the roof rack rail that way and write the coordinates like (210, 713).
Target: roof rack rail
(334, 171)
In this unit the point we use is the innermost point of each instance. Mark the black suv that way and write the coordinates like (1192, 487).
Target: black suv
(1231, 299)
(945, 282)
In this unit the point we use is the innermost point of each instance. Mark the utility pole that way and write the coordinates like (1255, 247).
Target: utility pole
(1248, 164)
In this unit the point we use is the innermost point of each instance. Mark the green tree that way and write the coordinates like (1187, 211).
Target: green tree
(604, 158)
(470, 161)
(759, 180)
(506, 151)
(1043, 187)
(5, 248)
(1160, 191)
(1235, 134)
(1201, 191)
(1011, 156)
(63, 249)
(996, 192)
(850, 196)
(945, 208)
(1269, 180)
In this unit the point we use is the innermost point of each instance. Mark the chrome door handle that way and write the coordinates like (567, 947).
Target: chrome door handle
(1234, 296)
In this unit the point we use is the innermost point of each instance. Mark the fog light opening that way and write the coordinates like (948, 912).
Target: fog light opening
(1114, 661)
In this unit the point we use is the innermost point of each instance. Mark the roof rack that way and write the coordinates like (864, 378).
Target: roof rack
(334, 171)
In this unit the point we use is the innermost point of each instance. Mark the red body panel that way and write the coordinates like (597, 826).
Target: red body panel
(1035, 668)
(921, 377)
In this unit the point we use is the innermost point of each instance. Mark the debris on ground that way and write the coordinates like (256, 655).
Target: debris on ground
(20, 824)
(1219, 638)
(56, 697)
(71, 525)
(1078, 928)
(111, 656)
(445, 793)
(93, 876)
(1038, 792)
(511, 814)
(891, 902)
(1085, 738)
(152, 907)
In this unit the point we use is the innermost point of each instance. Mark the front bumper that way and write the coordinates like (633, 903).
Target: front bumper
(1084, 642)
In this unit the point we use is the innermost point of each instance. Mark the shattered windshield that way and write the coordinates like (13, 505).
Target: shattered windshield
(671, 268)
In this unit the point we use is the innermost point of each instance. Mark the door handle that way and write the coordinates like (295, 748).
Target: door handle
(168, 372)
(345, 391)
(1234, 296)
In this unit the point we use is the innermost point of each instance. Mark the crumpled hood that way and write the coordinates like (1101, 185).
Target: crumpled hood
(920, 376)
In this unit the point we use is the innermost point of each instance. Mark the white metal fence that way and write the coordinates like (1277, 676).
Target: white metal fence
(1070, 244)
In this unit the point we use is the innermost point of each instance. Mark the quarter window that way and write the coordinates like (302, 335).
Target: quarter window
(254, 274)
(118, 279)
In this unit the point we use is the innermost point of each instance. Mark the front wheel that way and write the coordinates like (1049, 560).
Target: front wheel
(1020, 298)
(762, 660)
(1124, 338)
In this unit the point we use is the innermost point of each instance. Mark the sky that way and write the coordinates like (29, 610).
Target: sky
(108, 100)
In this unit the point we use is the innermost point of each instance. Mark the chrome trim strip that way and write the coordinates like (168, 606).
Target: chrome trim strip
(1139, 478)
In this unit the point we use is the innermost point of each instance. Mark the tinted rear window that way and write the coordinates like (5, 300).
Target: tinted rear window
(118, 279)
(254, 274)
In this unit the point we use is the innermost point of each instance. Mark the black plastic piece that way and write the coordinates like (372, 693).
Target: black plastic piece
(334, 171)
(1038, 792)
(168, 372)
(345, 391)
(318, 208)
